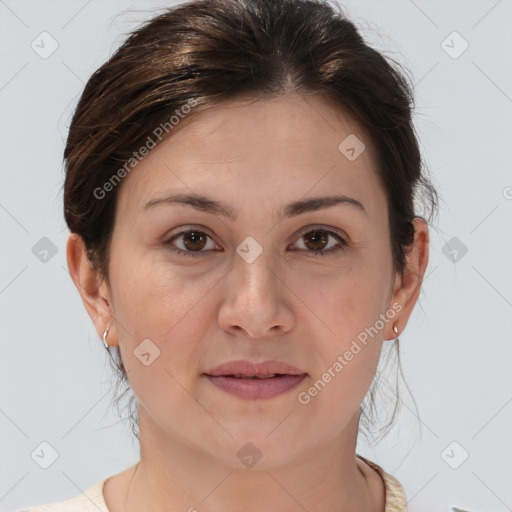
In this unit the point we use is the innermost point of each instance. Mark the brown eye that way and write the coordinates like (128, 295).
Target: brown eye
(194, 240)
(316, 240)
(191, 243)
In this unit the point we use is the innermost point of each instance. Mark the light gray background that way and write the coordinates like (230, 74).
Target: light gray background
(456, 350)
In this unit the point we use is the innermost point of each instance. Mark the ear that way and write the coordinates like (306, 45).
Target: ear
(407, 285)
(91, 286)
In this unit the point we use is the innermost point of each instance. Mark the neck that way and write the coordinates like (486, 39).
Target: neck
(172, 475)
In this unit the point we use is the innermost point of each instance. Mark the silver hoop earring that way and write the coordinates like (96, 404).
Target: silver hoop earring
(105, 342)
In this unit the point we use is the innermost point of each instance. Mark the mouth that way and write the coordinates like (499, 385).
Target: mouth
(247, 380)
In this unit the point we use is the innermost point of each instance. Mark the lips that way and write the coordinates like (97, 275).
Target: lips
(251, 381)
(243, 369)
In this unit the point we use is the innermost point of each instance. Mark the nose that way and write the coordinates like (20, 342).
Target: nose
(257, 301)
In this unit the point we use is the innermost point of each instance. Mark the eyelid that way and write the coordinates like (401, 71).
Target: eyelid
(319, 227)
(185, 229)
(303, 231)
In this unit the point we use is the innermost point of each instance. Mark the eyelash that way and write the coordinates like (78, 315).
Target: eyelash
(343, 244)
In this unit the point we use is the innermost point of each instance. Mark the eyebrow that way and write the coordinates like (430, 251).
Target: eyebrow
(293, 209)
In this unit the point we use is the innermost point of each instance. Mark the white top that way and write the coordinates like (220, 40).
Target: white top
(91, 500)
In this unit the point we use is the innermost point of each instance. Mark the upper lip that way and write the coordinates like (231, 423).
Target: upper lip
(249, 369)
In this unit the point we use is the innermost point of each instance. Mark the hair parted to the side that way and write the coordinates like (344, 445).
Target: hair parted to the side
(213, 51)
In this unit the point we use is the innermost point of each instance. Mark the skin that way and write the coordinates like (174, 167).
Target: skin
(216, 307)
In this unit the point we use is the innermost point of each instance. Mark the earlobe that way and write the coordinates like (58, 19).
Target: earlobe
(89, 283)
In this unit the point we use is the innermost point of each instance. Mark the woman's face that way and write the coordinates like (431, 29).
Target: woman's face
(245, 286)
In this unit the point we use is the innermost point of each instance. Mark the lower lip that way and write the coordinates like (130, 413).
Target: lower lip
(254, 389)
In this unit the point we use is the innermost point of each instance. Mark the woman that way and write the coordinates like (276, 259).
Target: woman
(240, 186)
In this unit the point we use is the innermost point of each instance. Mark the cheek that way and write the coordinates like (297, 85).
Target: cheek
(348, 311)
(156, 302)
(349, 349)
(346, 299)
(158, 315)
(153, 295)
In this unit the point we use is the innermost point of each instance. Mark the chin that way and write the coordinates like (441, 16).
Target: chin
(257, 448)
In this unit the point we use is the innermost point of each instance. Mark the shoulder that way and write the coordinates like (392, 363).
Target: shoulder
(396, 499)
(91, 500)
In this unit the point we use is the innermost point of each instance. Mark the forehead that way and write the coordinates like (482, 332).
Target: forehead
(270, 150)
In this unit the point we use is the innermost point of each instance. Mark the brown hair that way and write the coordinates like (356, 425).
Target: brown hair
(210, 51)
